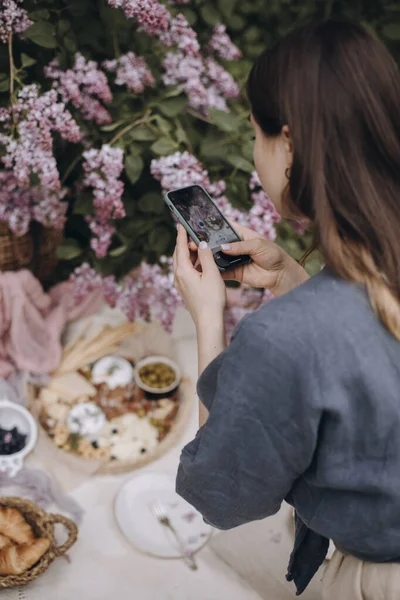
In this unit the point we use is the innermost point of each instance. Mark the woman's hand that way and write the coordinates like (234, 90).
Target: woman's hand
(204, 292)
(271, 267)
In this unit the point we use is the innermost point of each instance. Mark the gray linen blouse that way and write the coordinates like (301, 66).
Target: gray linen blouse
(304, 407)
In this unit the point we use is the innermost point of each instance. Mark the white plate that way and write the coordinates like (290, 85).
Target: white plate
(133, 512)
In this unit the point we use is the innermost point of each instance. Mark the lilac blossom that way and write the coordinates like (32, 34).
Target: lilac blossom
(18, 206)
(132, 71)
(13, 19)
(149, 293)
(206, 83)
(180, 34)
(153, 17)
(31, 154)
(222, 45)
(85, 86)
(102, 171)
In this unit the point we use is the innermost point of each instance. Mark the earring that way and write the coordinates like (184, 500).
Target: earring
(287, 173)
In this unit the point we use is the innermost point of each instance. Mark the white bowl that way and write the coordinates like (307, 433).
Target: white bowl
(157, 359)
(15, 415)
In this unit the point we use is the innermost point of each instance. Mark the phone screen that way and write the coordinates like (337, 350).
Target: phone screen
(204, 218)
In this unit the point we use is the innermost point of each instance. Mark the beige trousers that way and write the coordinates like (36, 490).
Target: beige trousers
(347, 578)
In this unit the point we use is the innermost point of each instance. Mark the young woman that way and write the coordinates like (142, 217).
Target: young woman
(304, 404)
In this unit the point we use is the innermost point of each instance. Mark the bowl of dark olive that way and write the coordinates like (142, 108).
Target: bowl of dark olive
(18, 434)
(157, 375)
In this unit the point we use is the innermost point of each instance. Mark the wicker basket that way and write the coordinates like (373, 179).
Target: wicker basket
(43, 525)
(35, 250)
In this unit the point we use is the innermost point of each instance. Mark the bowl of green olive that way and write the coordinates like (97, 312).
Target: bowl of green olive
(157, 375)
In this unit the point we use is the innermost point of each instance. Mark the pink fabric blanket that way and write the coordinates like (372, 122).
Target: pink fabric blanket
(32, 322)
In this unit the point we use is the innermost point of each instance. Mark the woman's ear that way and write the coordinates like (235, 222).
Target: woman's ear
(288, 144)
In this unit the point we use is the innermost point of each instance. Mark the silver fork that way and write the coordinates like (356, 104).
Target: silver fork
(161, 515)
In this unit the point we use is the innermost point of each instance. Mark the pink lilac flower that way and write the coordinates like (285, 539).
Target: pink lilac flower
(47, 207)
(182, 35)
(102, 171)
(36, 117)
(132, 71)
(204, 81)
(179, 170)
(18, 206)
(85, 85)
(153, 17)
(223, 81)
(222, 45)
(13, 19)
(149, 293)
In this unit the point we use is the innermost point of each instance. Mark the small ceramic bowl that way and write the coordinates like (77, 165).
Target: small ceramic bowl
(15, 415)
(157, 359)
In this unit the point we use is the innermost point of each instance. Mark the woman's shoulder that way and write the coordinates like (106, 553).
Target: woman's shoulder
(320, 307)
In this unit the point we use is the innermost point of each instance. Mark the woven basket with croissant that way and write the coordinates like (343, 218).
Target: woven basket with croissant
(27, 542)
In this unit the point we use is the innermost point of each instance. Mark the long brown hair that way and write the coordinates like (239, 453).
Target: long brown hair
(338, 90)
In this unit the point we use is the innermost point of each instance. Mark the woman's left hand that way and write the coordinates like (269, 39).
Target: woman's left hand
(203, 293)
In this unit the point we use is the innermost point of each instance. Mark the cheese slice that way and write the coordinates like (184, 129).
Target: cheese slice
(70, 386)
(48, 397)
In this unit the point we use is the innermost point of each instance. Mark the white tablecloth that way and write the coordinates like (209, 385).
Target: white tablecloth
(103, 566)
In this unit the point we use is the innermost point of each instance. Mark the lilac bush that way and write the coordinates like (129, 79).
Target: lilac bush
(106, 105)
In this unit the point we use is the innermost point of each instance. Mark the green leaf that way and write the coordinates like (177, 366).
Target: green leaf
(142, 133)
(39, 15)
(164, 146)
(235, 22)
(42, 33)
(69, 249)
(164, 125)
(159, 239)
(5, 84)
(173, 106)
(70, 42)
(189, 14)
(172, 91)
(240, 163)
(133, 167)
(83, 204)
(251, 34)
(63, 26)
(180, 134)
(391, 31)
(226, 6)
(210, 14)
(133, 228)
(225, 121)
(247, 150)
(27, 61)
(152, 203)
(118, 251)
(78, 8)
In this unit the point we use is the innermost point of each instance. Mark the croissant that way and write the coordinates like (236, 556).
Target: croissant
(15, 560)
(14, 526)
(4, 541)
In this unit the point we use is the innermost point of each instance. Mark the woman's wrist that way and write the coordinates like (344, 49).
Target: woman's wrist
(290, 276)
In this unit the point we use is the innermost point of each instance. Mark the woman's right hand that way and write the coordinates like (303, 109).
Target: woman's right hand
(271, 267)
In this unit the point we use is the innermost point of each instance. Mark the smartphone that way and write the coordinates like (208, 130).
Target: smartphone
(203, 221)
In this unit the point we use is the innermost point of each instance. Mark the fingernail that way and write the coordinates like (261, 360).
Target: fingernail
(225, 246)
(203, 245)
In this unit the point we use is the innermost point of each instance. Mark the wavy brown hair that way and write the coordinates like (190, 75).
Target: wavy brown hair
(338, 90)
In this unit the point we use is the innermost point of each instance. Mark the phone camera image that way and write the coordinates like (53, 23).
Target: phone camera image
(203, 217)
